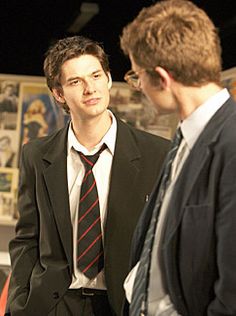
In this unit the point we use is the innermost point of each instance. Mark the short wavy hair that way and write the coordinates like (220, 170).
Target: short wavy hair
(178, 36)
(66, 49)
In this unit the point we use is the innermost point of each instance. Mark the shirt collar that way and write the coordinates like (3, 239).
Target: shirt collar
(194, 124)
(109, 139)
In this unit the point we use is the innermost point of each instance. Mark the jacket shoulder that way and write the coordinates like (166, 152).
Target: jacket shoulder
(145, 138)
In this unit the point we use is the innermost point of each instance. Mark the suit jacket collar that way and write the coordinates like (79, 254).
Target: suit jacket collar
(55, 175)
(125, 168)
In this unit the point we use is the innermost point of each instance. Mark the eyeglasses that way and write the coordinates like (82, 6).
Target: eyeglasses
(133, 79)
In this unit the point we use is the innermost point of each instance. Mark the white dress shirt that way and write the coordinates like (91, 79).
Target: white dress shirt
(75, 174)
(159, 303)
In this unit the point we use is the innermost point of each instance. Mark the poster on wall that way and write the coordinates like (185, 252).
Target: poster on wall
(9, 96)
(8, 148)
(27, 110)
(40, 115)
(133, 107)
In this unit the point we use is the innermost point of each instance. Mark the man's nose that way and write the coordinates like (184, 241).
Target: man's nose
(89, 86)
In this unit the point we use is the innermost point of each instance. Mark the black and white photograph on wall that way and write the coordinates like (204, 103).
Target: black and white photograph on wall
(9, 97)
(6, 180)
(9, 149)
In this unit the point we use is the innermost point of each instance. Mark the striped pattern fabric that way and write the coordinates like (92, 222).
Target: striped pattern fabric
(138, 304)
(90, 255)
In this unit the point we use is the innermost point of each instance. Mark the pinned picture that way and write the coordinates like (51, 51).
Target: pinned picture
(40, 114)
(9, 97)
(8, 149)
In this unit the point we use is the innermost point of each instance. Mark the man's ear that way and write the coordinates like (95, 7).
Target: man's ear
(58, 95)
(165, 77)
(109, 80)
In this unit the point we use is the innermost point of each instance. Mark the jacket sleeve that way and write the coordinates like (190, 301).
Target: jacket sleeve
(24, 247)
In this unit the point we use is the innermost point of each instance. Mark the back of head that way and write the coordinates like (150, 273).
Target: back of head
(69, 48)
(179, 37)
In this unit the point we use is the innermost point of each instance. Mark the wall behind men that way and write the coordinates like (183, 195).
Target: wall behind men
(27, 110)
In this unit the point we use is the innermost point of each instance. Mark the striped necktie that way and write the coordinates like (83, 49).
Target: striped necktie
(90, 256)
(138, 304)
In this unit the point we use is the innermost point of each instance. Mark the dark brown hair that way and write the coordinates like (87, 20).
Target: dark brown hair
(66, 49)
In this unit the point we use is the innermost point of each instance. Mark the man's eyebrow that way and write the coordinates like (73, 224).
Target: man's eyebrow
(80, 77)
(73, 78)
(96, 71)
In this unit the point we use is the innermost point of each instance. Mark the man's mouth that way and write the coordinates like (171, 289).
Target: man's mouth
(92, 101)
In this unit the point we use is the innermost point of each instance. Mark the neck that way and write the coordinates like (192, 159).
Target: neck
(190, 98)
(90, 132)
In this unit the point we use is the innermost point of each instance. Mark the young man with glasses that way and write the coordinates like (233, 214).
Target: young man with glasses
(71, 250)
(183, 253)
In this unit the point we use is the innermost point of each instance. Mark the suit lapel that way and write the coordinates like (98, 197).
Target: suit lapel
(196, 161)
(125, 168)
(55, 176)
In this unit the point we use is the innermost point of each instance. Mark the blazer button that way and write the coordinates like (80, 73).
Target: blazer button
(55, 295)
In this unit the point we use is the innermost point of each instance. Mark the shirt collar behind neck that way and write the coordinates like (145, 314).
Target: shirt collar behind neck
(109, 139)
(194, 124)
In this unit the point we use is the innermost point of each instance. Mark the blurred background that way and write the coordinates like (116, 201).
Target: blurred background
(27, 28)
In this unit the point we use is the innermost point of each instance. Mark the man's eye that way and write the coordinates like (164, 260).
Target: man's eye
(76, 82)
(96, 76)
(135, 77)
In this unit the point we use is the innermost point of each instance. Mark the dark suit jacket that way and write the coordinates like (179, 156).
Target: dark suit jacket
(198, 247)
(41, 252)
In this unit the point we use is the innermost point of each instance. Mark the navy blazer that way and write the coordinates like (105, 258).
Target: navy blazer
(198, 245)
(41, 252)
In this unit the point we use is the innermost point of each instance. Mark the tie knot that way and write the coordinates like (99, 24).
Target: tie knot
(90, 160)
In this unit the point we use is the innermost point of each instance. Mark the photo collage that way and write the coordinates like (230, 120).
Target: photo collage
(27, 111)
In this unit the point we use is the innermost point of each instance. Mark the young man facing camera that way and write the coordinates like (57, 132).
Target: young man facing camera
(81, 193)
(184, 254)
